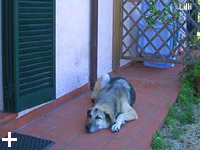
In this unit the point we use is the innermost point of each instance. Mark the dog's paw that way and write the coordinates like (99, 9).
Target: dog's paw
(116, 127)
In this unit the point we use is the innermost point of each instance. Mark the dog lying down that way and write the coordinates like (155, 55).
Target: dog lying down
(113, 98)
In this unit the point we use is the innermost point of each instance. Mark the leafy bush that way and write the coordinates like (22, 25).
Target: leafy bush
(187, 96)
(188, 91)
(170, 119)
(196, 70)
(186, 116)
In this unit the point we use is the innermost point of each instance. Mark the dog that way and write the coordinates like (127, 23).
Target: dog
(112, 99)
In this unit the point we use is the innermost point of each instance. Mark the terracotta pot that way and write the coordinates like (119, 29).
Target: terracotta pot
(198, 83)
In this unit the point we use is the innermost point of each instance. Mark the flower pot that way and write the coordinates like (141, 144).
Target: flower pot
(198, 83)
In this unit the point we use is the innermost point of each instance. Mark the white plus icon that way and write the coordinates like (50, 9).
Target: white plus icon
(9, 139)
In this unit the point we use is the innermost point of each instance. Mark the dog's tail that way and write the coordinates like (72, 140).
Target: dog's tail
(102, 81)
(105, 80)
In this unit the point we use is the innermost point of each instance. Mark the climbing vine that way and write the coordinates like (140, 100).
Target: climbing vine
(155, 15)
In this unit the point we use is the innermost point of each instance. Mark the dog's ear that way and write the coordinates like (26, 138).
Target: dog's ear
(108, 112)
(93, 100)
(110, 116)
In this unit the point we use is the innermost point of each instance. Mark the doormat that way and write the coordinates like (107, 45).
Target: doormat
(26, 142)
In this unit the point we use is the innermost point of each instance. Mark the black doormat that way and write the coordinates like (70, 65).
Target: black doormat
(26, 142)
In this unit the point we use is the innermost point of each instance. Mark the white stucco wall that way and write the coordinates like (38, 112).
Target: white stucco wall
(105, 32)
(1, 89)
(105, 37)
(72, 44)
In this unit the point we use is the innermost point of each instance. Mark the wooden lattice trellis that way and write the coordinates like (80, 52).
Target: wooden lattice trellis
(158, 30)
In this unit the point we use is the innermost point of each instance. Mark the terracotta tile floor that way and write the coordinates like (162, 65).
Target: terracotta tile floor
(65, 125)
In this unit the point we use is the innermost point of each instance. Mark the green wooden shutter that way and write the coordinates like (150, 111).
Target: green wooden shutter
(34, 52)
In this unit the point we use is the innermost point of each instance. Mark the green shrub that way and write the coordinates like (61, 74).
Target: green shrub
(187, 74)
(171, 117)
(187, 94)
(170, 121)
(196, 70)
(186, 116)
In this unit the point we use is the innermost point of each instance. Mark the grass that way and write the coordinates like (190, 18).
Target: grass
(158, 142)
(176, 132)
(181, 113)
(170, 119)
(182, 140)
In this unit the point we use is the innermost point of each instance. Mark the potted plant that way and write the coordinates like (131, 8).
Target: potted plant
(197, 75)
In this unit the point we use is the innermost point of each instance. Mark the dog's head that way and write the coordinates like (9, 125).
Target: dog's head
(99, 117)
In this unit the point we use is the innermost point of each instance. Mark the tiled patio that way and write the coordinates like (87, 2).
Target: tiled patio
(65, 125)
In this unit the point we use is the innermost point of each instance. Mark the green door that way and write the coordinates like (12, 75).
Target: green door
(29, 50)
